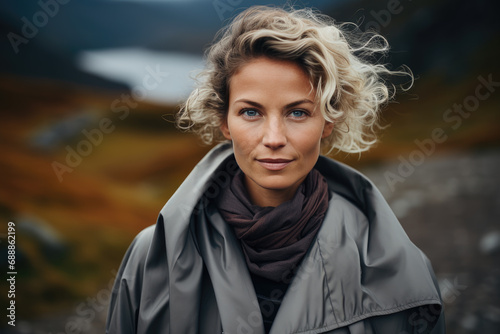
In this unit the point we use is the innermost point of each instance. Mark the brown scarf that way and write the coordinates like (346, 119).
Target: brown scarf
(275, 239)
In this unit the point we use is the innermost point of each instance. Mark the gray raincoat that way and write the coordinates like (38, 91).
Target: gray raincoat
(362, 274)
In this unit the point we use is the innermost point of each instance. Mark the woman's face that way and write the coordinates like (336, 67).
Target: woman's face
(275, 127)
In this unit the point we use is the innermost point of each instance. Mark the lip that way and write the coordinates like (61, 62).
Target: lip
(274, 164)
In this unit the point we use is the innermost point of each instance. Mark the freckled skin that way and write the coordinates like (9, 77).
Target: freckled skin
(275, 127)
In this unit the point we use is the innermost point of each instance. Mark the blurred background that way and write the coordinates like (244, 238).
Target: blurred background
(89, 154)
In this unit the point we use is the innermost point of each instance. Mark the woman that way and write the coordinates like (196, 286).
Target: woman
(266, 235)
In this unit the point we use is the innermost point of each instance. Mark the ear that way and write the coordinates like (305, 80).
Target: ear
(327, 130)
(225, 129)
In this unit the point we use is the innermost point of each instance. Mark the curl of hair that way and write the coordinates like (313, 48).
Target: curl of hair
(350, 89)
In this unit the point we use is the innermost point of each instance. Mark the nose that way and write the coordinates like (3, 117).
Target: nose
(275, 133)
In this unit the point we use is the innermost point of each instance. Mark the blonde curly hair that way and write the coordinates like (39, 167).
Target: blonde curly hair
(350, 90)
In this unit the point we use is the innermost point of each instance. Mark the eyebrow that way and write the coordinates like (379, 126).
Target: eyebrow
(290, 105)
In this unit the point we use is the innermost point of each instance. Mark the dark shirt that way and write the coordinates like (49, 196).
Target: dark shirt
(269, 295)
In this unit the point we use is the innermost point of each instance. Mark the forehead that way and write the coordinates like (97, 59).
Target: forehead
(265, 76)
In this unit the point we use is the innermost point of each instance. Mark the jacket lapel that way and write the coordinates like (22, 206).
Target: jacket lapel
(232, 285)
(307, 304)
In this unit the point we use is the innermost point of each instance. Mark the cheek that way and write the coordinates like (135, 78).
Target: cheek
(243, 134)
(241, 143)
(308, 140)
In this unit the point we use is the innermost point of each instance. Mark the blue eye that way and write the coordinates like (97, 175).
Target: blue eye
(250, 113)
(298, 113)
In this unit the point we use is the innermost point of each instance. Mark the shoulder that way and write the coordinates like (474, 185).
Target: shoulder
(141, 243)
(126, 295)
(135, 257)
(361, 235)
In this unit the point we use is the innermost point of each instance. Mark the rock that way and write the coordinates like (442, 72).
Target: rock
(469, 322)
(48, 238)
(490, 243)
(59, 132)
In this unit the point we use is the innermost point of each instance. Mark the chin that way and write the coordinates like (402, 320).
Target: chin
(278, 182)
